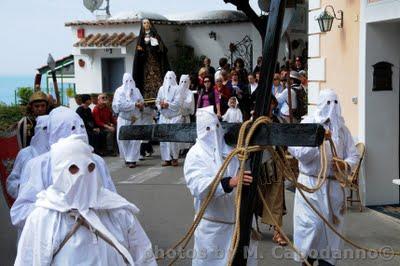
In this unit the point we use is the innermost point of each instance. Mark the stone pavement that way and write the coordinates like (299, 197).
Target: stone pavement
(167, 211)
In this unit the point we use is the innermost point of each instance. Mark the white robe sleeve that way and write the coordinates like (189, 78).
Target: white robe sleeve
(31, 184)
(35, 246)
(160, 96)
(121, 103)
(174, 104)
(104, 173)
(351, 155)
(14, 178)
(198, 179)
(304, 154)
(139, 244)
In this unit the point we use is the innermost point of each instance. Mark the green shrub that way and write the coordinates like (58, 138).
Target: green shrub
(10, 115)
(186, 62)
(24, 93)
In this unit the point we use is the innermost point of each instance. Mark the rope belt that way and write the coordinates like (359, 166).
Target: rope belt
(217, 221)
(331, 177)
(81, 221)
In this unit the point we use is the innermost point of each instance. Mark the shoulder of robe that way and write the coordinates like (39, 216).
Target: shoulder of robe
(98, 159)
(39, 161)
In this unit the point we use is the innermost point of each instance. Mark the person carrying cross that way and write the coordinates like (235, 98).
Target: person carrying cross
(311, 236)
(212, 238)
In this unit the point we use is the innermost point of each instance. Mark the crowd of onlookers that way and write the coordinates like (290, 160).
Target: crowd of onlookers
(231, 89)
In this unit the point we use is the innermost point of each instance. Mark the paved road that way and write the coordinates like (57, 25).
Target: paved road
(167, 210)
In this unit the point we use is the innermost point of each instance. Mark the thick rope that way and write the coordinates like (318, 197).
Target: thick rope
(291, 176)
(242, 151)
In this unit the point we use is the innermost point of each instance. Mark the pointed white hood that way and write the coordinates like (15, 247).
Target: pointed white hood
(210, 135)
(63, 122)
(128, 84)
(40, 141)
(186, 96)
(76, 185)
(329, 112)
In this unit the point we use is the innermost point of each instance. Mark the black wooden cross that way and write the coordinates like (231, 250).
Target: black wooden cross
(271, 134)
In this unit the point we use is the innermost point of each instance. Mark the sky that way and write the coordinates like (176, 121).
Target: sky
(30, 30)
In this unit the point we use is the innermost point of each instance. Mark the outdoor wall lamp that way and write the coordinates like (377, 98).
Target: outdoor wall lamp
(213, 35)
(325, 19)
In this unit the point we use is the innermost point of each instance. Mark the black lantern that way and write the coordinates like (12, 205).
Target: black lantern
(325, 19)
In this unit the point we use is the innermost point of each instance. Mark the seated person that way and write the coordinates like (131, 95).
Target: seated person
(96, 138)
(106, 122)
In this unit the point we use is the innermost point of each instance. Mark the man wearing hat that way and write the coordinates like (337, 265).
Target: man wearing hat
(37, 106)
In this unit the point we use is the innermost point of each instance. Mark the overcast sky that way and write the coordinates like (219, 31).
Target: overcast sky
(32, 29)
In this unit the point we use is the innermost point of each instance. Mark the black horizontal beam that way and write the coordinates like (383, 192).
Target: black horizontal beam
(310, 135)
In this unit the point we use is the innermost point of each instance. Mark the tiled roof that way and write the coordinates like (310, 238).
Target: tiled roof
(157, 22)
(106, 40)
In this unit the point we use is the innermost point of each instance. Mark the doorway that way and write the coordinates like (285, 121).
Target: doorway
(112, 71)
(382, 115)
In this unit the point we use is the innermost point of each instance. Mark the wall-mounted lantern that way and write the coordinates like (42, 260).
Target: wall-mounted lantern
(213, 35)
(325, 19)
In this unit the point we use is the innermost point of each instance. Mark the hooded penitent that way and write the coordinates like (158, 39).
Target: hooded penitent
(214, 233)
(76, 190)
(124, 104)
(39, 145)
(64, 122)
(37, 174)
(311, 235)
(169, 93)
(209, 133)
(186, 97)
(329, 112)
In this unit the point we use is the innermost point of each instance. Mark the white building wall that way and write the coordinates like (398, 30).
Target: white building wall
(197, 36)
(89, 78)
(382, 116)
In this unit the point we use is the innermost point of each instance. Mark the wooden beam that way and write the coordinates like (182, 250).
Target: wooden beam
(272, 134)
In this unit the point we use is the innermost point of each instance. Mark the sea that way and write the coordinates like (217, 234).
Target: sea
(9, 84)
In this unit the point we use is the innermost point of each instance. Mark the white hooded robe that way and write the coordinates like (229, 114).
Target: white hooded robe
(39, 145)
(169, 92)
(103, 210)
(212, 239)
(124, 104)
(36, 175)
(311, 236)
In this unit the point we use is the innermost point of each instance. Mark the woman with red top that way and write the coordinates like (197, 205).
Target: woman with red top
(209, 96)
(224, 93)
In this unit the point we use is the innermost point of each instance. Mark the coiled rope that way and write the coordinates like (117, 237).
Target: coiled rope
(242, 151)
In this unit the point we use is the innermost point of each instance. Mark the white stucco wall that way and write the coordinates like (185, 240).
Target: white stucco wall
(197, 36)
(381, 132)
(89, 78)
